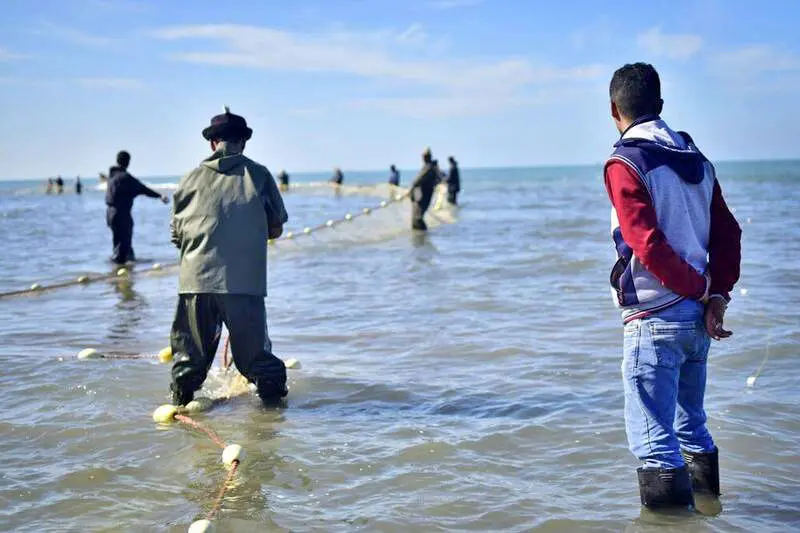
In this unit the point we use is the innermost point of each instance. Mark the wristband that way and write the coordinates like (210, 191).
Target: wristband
(720, 297)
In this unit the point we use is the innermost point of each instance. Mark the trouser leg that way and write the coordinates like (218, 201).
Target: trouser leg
(699, 450)
(653, 353)
(245, 318)
(122, 235)
(194, 339)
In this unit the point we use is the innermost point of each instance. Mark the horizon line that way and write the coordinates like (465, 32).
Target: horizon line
(482, 167)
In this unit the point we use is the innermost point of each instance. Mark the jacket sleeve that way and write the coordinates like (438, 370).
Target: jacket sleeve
(724, 247)
(273, 202)
(174, 223)
(639, 226)
(141, 188)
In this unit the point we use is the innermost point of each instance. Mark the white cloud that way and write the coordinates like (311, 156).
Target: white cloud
(672, 46)
(758, 58)
(72, 35)
(414, 34)
(8, 55)
(386, 55)
(111, 83)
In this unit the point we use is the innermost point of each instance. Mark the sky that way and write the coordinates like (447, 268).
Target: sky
(362, 84)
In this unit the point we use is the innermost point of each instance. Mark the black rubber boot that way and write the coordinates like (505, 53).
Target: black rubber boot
(181, 397)
(271, 394)
(704, 470)
(663, 488)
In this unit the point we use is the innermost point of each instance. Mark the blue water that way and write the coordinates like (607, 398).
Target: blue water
(466, 381)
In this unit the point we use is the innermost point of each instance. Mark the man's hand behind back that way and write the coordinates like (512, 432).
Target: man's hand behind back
(714, 316)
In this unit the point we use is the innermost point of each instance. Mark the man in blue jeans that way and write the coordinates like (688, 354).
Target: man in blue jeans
(678, 254)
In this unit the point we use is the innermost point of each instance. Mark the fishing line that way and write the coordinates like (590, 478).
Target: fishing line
(751, 380)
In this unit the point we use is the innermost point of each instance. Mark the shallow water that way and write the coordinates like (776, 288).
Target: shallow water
(467, 381)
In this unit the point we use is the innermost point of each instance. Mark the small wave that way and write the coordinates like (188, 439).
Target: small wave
(162, 186)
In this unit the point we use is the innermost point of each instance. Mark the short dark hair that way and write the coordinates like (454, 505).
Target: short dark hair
(636, 90)
(123, 159)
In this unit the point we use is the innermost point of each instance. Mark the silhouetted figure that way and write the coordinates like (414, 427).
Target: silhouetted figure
(453, 182)
(283, 179)
(422, 191)
(50, 185)
(78, 185)
(59, 185)
(121, 191)
(338, 177)
(394, 176)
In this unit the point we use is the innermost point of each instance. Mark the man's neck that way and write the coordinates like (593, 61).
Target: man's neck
(228, 148)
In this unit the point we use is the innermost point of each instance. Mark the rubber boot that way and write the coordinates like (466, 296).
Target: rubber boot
(663, 488)
(181, 397)
(270, 394)
(704, 470)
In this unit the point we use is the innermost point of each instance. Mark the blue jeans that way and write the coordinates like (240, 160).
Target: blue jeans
(664, 373)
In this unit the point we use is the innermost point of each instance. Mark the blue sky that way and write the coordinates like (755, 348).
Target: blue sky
(363, 84)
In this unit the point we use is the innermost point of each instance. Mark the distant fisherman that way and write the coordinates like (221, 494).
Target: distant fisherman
(78, 185)
(422, 191)
(121, 191)
(679, 252)
(394, 176)
(338, 177)
(59, 185)
(283, 179)
(453, 182)
(224, 212)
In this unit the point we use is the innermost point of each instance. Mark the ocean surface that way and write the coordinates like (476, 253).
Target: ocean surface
(468, 380)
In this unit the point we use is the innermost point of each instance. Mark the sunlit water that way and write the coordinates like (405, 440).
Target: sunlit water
(467, 381)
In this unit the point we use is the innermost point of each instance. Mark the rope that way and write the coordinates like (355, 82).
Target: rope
(221, 494)
(199, 427)
(231, 456)
(226, 364)
(123, 273)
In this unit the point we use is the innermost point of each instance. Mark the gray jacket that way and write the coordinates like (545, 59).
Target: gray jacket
(222, 213)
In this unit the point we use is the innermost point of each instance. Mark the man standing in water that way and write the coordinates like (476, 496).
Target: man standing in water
(422, 190)
(121, 190)
(453, 182)
(678, 249)
(283, 179)
(394, 176)
(224, 212)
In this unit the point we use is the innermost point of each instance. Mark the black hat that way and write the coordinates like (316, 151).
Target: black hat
(227, 125)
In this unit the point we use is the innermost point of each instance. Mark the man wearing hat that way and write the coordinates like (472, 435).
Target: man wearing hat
(121, 190)
(422, 190)
(224, 212)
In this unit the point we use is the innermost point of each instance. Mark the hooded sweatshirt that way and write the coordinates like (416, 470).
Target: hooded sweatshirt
(669, 222)
(122, 189)
(222, 213)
